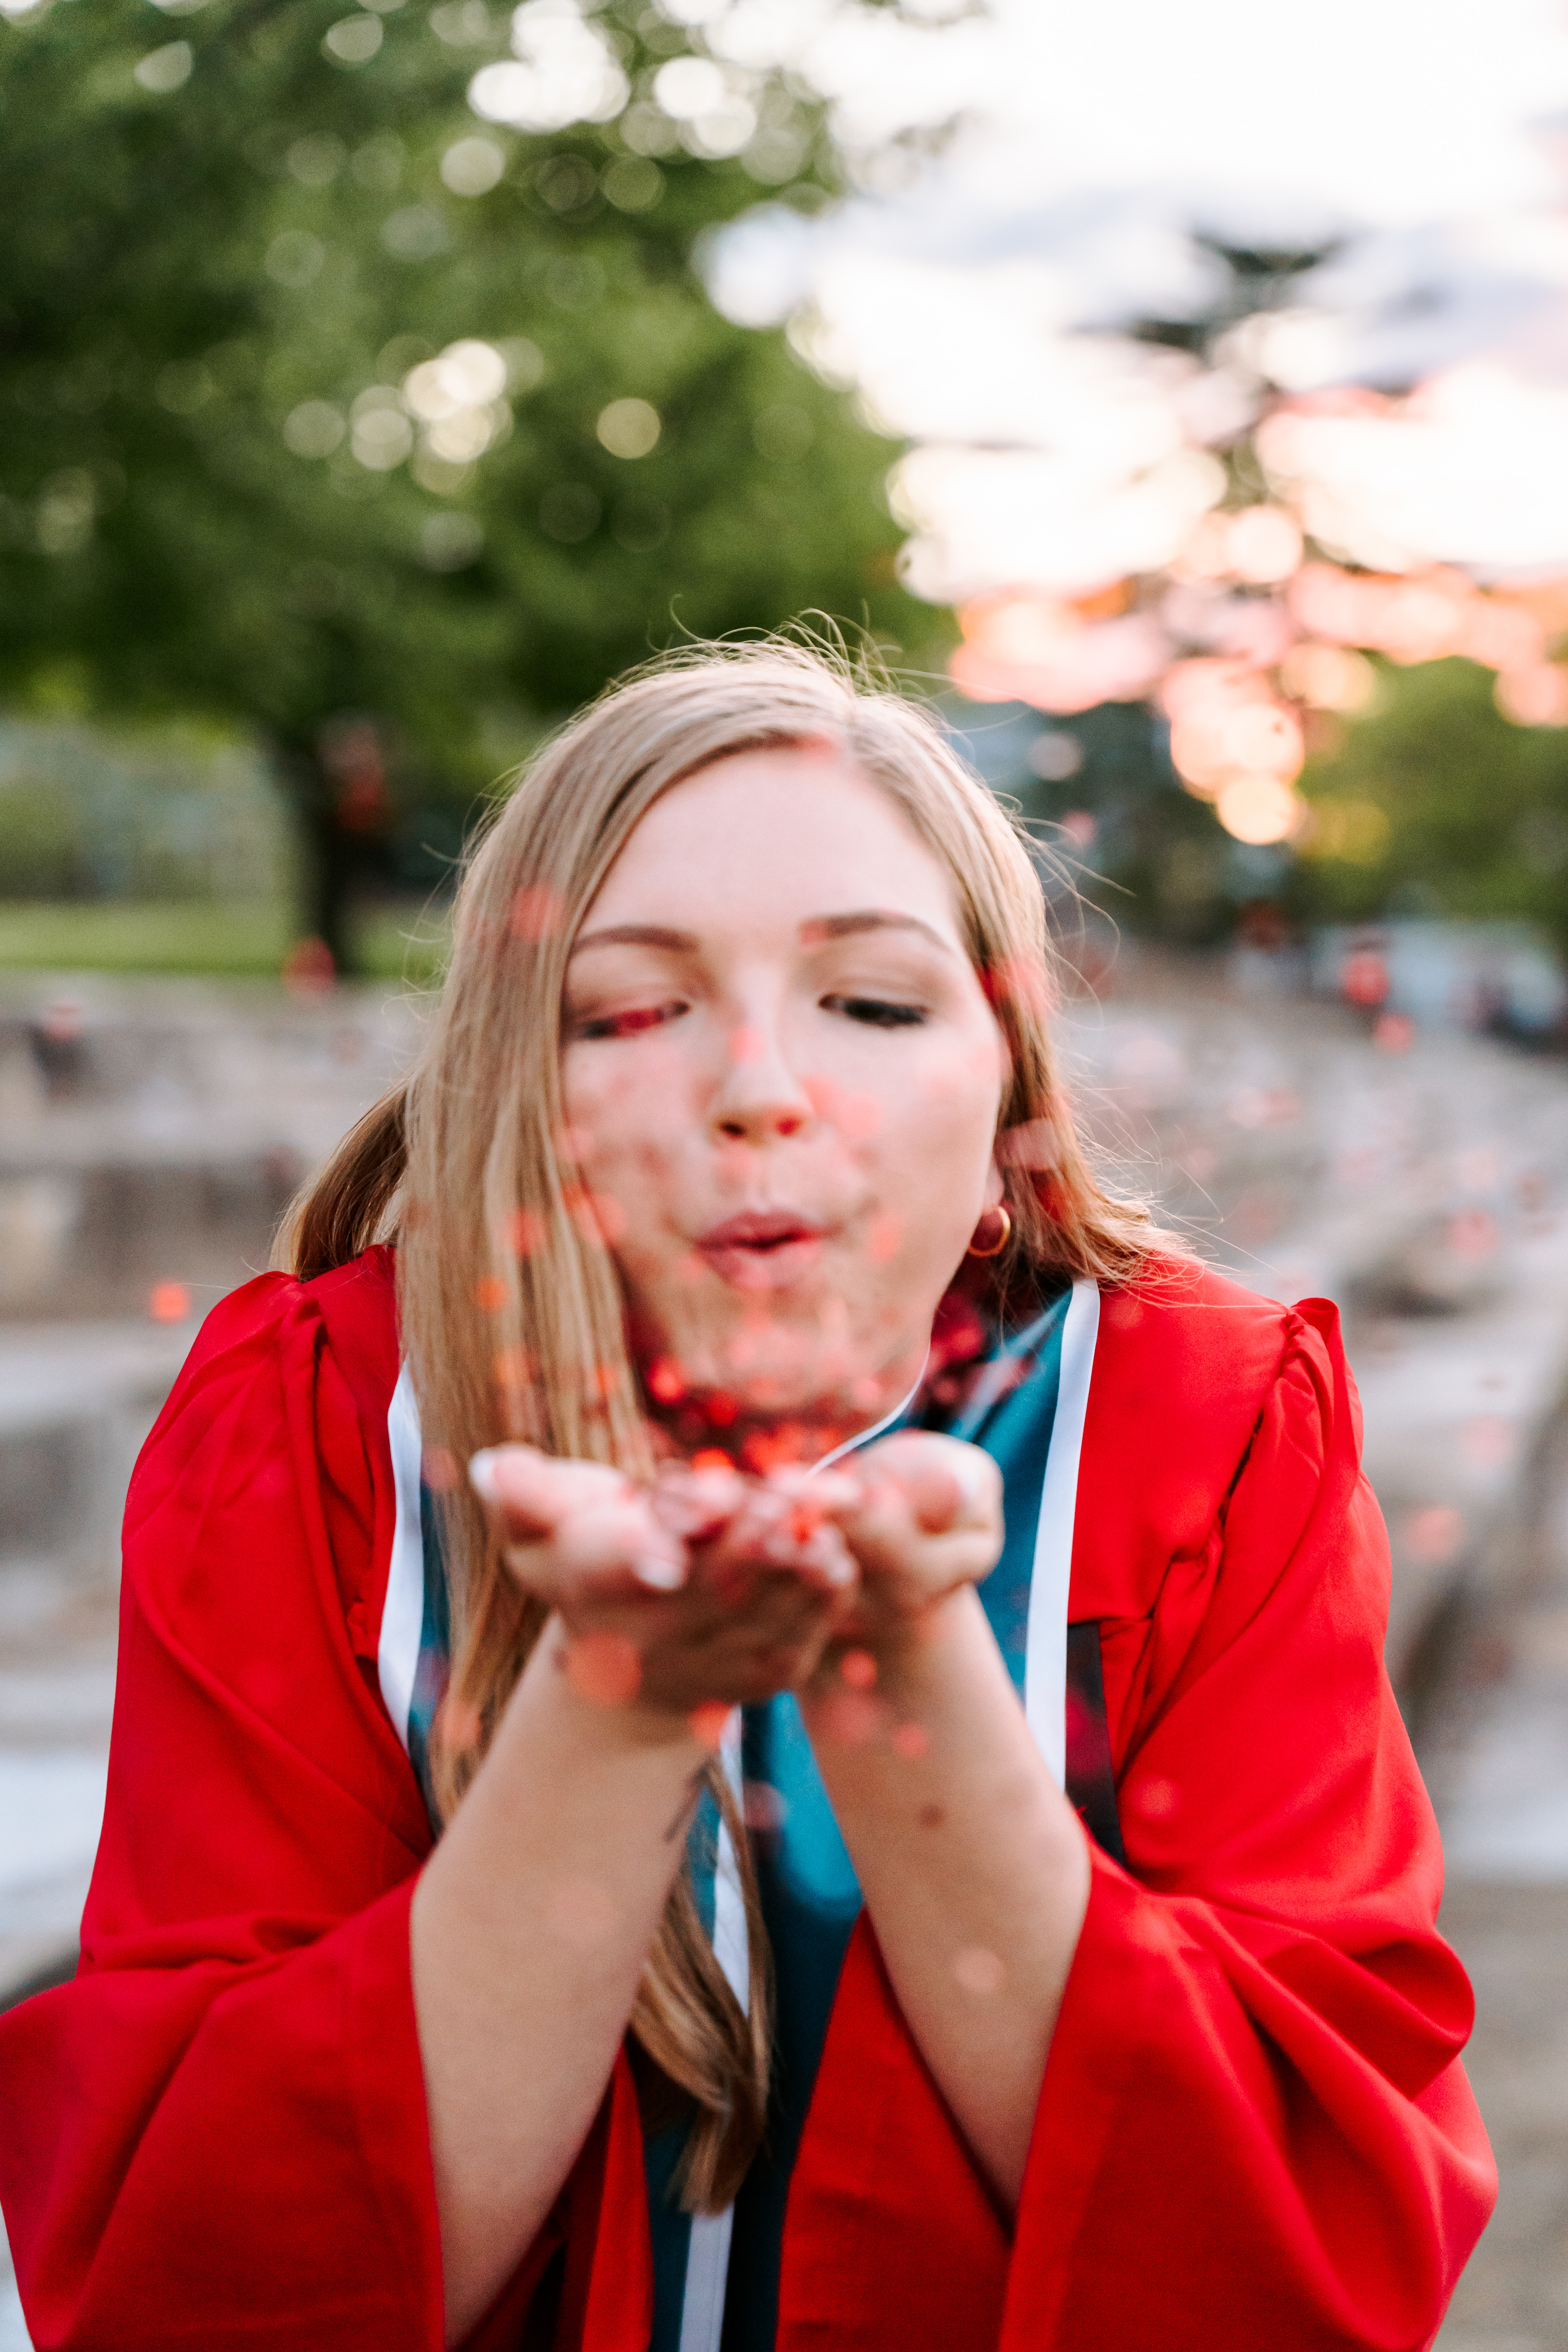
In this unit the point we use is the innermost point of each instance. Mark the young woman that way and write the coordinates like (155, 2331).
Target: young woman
(745, 1720)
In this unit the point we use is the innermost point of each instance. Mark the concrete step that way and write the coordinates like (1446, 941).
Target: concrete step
(151, 1136)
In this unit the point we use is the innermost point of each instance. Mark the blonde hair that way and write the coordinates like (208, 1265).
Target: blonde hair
(512, 1308)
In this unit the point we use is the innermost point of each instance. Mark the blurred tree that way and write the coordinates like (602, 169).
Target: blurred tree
(380, 429)
(1431, 802)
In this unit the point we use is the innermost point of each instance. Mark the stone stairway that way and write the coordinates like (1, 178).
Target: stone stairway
(150, 1136)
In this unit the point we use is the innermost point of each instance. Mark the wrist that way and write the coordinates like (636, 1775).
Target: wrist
(890, 1658)
(604, 1714)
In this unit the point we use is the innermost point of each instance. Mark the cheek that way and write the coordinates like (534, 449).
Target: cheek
(945, 1116)
(629, 1113)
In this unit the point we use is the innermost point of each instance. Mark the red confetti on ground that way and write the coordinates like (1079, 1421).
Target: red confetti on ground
(910, 1740)
(707, 1722)
(169, 1302)
(1489, 1442)
(858, 1668)
(309, 969)
(1472, 1234)
(605, 1668)
(1434, 1534)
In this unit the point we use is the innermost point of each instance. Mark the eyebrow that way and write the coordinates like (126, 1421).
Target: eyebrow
(868, 918)
(815, 932)
(638, 935)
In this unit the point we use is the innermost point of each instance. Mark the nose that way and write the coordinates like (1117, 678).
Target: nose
(761, 1098)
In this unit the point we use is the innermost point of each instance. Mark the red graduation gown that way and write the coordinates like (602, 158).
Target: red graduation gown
(1254, 2129)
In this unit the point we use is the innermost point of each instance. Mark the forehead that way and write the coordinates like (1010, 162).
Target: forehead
(790, 833)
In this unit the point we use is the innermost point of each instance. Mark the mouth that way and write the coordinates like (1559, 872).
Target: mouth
(763, 1249)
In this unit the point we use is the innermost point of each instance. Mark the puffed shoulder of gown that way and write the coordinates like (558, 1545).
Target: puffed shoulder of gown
(1254, 2130)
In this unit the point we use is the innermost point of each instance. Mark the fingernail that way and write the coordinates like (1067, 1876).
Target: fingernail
(660, 1575)
(482, 1475)
(970, 1470)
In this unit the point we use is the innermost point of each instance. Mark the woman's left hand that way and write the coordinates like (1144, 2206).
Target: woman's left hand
(926, 1522)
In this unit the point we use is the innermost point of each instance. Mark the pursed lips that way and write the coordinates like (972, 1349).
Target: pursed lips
(762, 1249)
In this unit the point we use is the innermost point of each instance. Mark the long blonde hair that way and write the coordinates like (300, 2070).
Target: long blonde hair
(512, 1308)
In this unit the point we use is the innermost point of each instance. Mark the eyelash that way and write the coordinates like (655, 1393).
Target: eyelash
(869, 1012)
(630, 1024)
(877, 1011)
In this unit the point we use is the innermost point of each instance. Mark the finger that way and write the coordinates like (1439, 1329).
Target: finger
(571, 1525)
(780, 1532)
(946, 1484)
(616, 1537)
(696, 1505)
(530, 1492)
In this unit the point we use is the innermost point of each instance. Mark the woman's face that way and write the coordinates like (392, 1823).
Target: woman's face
(782, 1080)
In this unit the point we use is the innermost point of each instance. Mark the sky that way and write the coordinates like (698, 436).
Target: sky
(976, 310)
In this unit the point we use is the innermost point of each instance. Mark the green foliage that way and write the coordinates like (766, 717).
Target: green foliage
(180, 936)
(201, 278)
(1433, 803)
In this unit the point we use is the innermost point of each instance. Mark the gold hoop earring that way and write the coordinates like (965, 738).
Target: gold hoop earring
(1003, 1238)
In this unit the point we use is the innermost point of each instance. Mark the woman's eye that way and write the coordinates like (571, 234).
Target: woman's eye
(629, 1024)
(877, 1011)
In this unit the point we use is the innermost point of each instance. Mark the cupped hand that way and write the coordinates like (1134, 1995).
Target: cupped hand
(926, 1522)
(703, 1589)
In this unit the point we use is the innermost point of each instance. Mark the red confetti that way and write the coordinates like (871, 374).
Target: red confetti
(883, 1237)
(979, 1970)
(707, 1722)
(309, 970)
(859, 1669)
(522, 1232)
(439, 1468)
(1435, 1534)
(851, 1719)
(1393, 1033)
(911, 1741)
(169, 1302)
(460, 1725)
(489, 1293)
(598, 1216)
(605, 1668)
(537, 912)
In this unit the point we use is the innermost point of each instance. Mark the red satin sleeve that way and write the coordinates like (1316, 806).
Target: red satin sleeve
(215, 2136)
(1254, 2130)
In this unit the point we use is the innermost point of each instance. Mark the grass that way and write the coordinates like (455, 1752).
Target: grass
(221, 941)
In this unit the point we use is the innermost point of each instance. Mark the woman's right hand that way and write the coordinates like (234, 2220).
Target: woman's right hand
(707, 1589)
